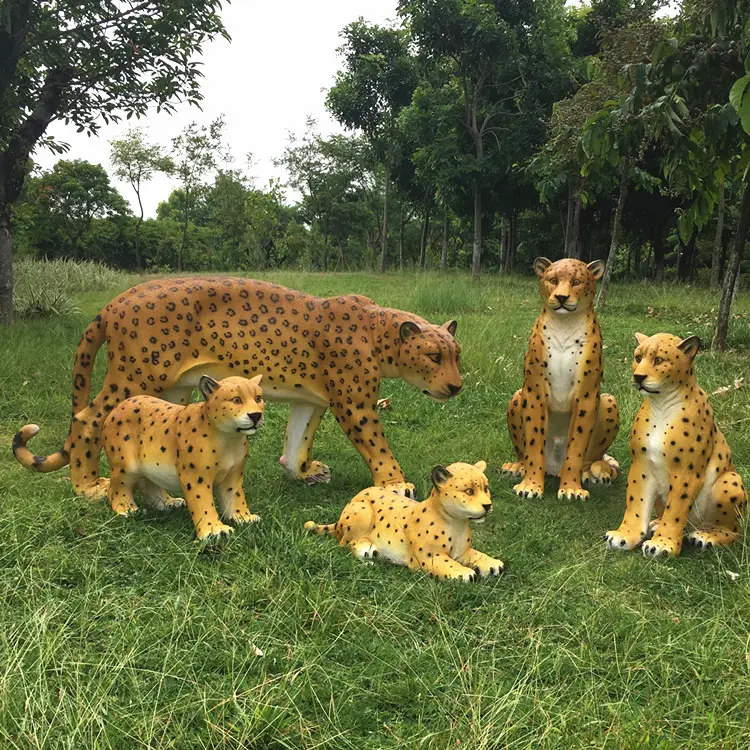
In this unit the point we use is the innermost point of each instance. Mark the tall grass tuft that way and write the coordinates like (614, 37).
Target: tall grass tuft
(44, 287)
(446, 295)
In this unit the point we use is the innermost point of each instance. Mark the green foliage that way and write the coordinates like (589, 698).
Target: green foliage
(739, 98)
(61, 205)
(85, 62)
(341, 192)
(110, 58)
(377, 81)
(137, 161)
(196, 151)
(484, 111)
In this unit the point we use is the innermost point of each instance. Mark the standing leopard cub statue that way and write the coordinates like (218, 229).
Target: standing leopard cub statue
(200, 449)
(680, 461)
(433, 536)
(559, 422)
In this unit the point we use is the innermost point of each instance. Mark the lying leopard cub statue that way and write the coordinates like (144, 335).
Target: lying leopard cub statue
(681, 463)
(433, 536)
(201, 449)
(559, 422)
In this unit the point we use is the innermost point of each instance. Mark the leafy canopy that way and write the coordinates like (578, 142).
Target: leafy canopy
(109, 56)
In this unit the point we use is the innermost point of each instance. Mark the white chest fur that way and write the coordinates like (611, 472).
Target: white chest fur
(162, 475)
(232, 453)
(564, 340)
(661, 415)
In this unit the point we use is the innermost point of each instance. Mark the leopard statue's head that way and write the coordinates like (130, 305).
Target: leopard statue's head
(663, 364)
(463, 491)
(234, 405)
(429, 358)
(568, 286)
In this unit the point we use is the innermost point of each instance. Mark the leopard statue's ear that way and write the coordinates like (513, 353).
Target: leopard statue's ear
(640, 338)
(597, 268)
(690, 346)
(451, 326)
(256, 380)
(440, 475)
(207, 386)
(541, 265)
(481, 465)
(408, 328)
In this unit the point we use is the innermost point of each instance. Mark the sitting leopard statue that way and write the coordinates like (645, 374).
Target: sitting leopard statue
(680, 461)
(559, 422)
(433, 536)
(317, 354)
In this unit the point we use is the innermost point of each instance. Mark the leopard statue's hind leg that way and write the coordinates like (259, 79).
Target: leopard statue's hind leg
(720, 522)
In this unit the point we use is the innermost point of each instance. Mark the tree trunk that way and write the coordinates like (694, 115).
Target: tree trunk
(511, 244)
(629, 261)
(616, 224)
(386, 191)
(13, 163)
(503, 244)
(510, 258)
(569, 219)
(649, 255)
(730, 276)
(722, 262)
(186, 216)
(659, 257)
(476, 256)
(423, 241)
(6, 267)
(638, 260)
(444, 253)
(401, 226)
(138, 263)
(575, 246)
(685, 261)
(737, 283)
(716, 259)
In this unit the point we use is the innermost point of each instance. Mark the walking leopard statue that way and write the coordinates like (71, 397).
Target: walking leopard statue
(314, 353)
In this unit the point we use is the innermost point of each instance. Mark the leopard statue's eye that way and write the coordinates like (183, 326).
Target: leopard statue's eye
(258, 399)
(658, 360)
(470, 491)
(435, 358)
(553, 282)
(236, 400)
(576, 282)
(638, 358)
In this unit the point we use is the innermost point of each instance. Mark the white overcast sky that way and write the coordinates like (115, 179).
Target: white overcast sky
(266, 82)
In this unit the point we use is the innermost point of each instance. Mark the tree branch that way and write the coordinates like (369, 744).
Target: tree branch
(99, 24)
(13, 160)
(14, 28)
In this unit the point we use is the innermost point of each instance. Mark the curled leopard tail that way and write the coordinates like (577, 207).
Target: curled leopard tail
(43, 464)
(317, 528)
(91, 341)
(83, 364)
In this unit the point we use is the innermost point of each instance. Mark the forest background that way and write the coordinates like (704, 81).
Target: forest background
(478, 135)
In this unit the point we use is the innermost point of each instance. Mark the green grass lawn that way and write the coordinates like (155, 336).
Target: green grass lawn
(123, 633)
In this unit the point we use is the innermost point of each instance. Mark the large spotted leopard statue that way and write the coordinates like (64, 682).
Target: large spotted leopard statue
(317, 354)
(433, 536)
(680, 461)
(559, 422)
